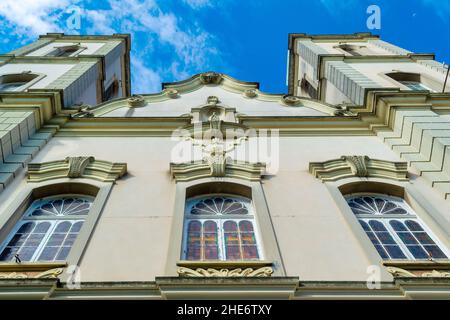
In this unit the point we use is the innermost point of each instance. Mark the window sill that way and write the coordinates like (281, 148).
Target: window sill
(418, 264)
(30, 266)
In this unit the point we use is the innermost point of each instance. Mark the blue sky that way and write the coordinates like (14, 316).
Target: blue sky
(172, 40)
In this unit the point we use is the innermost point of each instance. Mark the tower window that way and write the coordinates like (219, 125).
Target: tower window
(413, 81)
(65, 51)
(16, 82)
(47, 230)
(394, 229)
(220, 227)
(112, 90)
(355, 50)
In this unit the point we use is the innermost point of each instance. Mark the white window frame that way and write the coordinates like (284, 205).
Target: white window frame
(386, 218)
(53, 220)
(220, 220)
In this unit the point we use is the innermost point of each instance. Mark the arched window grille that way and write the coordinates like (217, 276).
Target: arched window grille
(220, 227)
(394, 229)
(47, 230)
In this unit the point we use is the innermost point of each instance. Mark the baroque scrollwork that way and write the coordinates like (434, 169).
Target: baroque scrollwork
(226, 273)
(77, 165)
(358, 165)
(48, 274)
(399, 272)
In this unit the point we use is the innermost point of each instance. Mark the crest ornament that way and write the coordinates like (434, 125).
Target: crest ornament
(291, 100)
(136, 101)
(210, 78)
(172, 93)
(250, 93)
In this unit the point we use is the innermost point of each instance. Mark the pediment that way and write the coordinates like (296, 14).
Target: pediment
(180, 98)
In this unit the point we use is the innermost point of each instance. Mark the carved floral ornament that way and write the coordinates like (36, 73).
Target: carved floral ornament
(225, 273)
(76, 167)
(402, 273)
(251, 93)
(358, 166)
(48, 274)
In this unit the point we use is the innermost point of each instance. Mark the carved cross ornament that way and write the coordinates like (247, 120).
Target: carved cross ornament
(215, 153)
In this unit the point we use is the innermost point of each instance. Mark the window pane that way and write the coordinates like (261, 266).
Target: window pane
(385, 238)
(377, 226)
(418, 252)
(397, 225)
(423, 238)
(233, 252)
(435, 252)
(193, 253)
(48, 254)
(395, 252)
(407, 237)
(381, 251)
(364, 225)
(250, 252)
(413, 226)
(63, 253)
(372, 237)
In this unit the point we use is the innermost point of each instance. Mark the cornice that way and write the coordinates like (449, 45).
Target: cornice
(358, 166)
(76, 167)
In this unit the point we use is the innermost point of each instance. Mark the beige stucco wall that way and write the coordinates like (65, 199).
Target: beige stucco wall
(131, 239)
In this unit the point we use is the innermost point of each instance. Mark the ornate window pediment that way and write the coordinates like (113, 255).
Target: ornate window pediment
(76, 167)
(358, 166)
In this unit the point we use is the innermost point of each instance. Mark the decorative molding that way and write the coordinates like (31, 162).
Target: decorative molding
(172, 93)
(48, 274)
(216, 167)
(358, 166)
(291, 100)
(76, 167)
(399, 272)
(225, 273)
(251, 93)
(136, 101)
(402, 273)
(210, 78)
(84, 111)
(215, 159)
(212, 100)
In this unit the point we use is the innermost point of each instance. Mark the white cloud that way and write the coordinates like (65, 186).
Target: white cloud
(159, 37)
(144, 78)
(197, 4)
(441, 7)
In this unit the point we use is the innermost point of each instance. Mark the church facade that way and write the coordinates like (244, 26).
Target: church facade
(214, 189)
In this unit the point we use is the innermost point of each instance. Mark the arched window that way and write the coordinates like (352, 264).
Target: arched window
(47, 230)
(16, 81)
(394, 229)
(220, 227)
